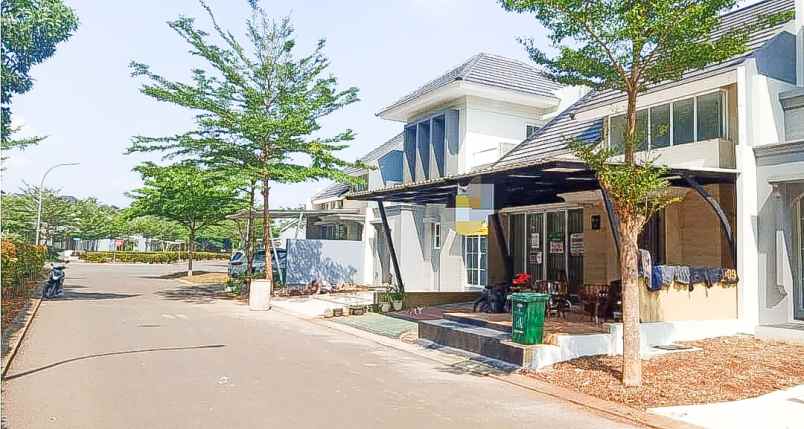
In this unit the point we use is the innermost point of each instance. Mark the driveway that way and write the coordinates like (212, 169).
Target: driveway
(126, 348)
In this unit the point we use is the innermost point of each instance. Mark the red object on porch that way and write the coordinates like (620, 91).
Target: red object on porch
(521, 279)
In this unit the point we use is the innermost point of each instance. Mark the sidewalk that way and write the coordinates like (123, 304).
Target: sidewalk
(783, 409)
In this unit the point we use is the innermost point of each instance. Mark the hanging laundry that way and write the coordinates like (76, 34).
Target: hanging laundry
(697, 276)
(713, 276)
(683, 274)
(645, 267)
(730, 276)
(656, 278)
(667, 274)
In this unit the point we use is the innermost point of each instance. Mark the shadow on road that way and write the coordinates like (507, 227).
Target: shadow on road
(71, 295)
(97, 355)
(201, 294)
(179, 275)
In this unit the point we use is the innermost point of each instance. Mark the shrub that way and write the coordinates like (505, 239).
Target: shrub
(150, 257)
(21, 262)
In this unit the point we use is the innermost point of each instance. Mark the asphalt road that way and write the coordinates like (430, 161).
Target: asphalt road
(127, 349)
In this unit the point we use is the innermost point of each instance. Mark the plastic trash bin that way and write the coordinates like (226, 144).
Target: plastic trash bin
(528, 317)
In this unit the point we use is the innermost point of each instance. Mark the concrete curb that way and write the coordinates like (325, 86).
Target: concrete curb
(611, 409)
(20, 336)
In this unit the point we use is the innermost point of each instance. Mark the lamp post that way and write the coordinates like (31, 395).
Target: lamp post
(39, 205)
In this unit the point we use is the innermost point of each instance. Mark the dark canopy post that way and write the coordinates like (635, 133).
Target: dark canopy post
(613, 220)
(503, 244)
(387, 230)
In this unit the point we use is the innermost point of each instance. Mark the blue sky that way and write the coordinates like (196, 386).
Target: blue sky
(89, 106)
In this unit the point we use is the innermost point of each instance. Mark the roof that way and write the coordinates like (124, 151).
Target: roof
(335, 190)
(491, 70)
(728, 22)
(395, 143)
(294, 213)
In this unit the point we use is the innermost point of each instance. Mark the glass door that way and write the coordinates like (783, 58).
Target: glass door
(556, 246)
(535, 246)
(575, 252)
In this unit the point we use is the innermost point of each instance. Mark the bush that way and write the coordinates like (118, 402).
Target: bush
(21, 262)
(150, 257)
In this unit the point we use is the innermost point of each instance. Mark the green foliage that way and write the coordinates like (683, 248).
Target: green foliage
(186, 194)
(21, 262)
(19, 214)
(258, 106)
(150, 257)
(31, 31)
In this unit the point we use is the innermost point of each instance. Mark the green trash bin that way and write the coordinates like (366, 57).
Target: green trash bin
(528, 317)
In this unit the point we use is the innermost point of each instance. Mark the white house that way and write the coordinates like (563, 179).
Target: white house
(488, 134)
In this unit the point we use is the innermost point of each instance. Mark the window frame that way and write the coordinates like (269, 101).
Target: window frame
(478, 268)
(724, 117)
(536, 129)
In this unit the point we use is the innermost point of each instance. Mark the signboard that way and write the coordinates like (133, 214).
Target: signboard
(535, 258)
(556, 246)
(576, 244)
(535, 240)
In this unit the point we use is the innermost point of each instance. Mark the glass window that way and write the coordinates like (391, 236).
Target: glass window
(642, 130)
(660, 126)
(475, 259)
(617, 133)
(710, 116)
(530, 130)
(436, 232)
(683, 121)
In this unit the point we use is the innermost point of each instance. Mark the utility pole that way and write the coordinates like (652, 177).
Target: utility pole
(39, 205)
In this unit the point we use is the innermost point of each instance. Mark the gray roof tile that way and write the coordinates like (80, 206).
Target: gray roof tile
(491, 70)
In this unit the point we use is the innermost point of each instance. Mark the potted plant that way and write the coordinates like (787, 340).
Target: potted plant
(396, 297)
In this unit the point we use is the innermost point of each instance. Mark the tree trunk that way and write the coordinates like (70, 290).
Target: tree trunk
(266, 230)
(248, 247)
(630, 138)
(629, 253)
(190, 248)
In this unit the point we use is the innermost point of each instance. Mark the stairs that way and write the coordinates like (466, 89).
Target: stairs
(471, 335)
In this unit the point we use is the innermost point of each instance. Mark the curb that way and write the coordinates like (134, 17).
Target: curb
(611, 409)
(20, 336)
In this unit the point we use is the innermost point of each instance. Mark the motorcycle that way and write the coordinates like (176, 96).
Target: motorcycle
(55, 282)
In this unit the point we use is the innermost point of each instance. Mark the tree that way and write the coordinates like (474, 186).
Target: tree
(629, 45)
(31, 31)
(156, 228)
(19, 214)
(257, 106)
(186, 194)
(93, 220)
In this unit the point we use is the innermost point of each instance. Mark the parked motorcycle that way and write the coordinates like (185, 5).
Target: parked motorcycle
(54, 287)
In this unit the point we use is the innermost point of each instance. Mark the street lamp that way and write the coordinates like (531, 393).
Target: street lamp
(39, 205)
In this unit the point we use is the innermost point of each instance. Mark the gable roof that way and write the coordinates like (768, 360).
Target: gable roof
(335, 190)
(395, 143)
(491, 70)
(728, 22)
(550, 140)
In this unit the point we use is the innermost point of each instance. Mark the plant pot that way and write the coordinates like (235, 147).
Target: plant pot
(259, 295)
(397, 305)
(385, 307)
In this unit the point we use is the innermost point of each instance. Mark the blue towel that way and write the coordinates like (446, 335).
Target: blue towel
(713, 276)
(656, 278)
(664, 274)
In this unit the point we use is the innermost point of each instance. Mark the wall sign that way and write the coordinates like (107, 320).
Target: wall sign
(535, 240)
(576, 244)
(556, 247)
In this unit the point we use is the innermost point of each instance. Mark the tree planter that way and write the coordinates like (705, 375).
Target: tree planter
(385, 307)
(397, 305)
(259, 295)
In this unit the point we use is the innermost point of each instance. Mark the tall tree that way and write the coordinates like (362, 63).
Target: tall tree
(31, 31)
(258, 106)
(629, 45)
(186, 194)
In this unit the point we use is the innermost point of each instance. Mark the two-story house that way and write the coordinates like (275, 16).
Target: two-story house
(729, 133)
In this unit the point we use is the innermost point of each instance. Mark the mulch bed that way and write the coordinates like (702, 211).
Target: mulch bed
(726, 369)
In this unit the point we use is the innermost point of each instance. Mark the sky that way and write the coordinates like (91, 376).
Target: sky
(89, 106)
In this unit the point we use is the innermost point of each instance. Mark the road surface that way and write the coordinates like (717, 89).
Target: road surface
(127, 349)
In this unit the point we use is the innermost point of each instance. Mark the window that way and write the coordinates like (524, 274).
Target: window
(531, 130)
(660, 126)
(436, 234)
(333, 232)
(652, 238)
(474, 256)
(617, 133)
(339, 204)
(684, 121)
(710, 116)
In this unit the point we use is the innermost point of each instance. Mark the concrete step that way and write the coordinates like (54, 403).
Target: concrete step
(477, 321)
(488, 342)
